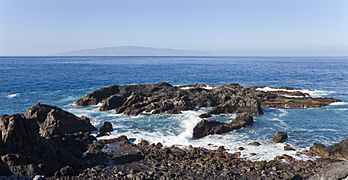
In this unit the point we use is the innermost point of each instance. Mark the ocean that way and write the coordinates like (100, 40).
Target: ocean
(60, 81)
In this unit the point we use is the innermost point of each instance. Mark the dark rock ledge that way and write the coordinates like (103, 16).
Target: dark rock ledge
(163, 98)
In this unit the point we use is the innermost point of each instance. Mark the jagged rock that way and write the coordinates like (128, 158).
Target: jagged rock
(336, 151)
(105, 129)
(340, 150)
(287, 147)
(205, 127)
(55, 121)
(97, 96)
(27, 151)
(255, 143)
(297, 103)
(19, 134)
(280, 137)
(239, 105)
(112, 102)
(164, 98)
(333, 171)
(319, 150)
(241, 148)
(242, 120)
(205, 115)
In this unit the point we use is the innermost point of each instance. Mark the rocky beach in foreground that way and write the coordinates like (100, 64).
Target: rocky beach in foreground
(49, 142)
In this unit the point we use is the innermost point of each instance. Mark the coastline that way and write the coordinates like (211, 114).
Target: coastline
(127, 158)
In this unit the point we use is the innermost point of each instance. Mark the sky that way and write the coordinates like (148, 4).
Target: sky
(222, 27)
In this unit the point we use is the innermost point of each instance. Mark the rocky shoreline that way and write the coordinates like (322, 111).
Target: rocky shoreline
(54, 143)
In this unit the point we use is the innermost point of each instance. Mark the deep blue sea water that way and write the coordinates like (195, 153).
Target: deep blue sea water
(60, 81)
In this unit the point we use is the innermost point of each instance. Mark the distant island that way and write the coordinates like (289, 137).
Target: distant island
(133, 51)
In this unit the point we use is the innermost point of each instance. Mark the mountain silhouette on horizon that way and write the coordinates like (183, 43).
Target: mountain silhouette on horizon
(133, 51)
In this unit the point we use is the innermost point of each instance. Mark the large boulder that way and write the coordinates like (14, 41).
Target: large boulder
(242, 120)
(55, 121)
(280, 137)
(105, 129)
(19, 135)
(22, 147)
(27, 147)
(206, 127)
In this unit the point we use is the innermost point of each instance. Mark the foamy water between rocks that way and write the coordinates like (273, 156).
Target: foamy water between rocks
(177, 129)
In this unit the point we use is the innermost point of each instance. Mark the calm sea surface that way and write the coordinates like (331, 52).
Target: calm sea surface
(60, 81)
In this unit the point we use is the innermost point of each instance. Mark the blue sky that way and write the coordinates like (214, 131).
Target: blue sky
(224, 27)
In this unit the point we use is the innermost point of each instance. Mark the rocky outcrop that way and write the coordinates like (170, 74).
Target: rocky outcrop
(206, 127)
(280, 137)
(242, 120)
(164, 98)
(255, 143)
(25, 151)
(113, 102)
(105, 129)
(28, 147)
(153, 161)
(239, 105)
(336, 151)
(55, 121)
(333, 171)
(19, 135)
(297, 103)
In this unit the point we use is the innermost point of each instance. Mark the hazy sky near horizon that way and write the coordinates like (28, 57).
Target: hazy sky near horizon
(223, 27)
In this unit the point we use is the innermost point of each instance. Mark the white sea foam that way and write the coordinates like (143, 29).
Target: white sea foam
(283, 112)
(338, 103)
(284, 95)
(204, 87)
(231, 141)
(313, 93)
(12, 95)
(317, 130)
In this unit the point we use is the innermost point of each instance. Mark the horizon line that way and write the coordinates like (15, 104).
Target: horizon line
(234, 56)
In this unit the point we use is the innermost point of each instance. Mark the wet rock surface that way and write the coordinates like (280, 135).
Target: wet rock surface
(164, 98)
